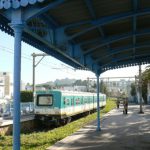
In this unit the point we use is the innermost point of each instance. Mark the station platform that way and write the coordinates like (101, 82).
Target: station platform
(9, 121)
(27, 124)
(118, 132)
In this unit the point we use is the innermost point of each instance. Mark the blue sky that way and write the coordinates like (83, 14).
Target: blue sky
(49, 68)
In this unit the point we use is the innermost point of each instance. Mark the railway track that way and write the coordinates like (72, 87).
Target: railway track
(29, 124)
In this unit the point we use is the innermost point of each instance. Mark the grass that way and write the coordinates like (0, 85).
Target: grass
(42, 140)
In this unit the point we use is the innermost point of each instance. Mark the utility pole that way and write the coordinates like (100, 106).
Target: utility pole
(87, 84)
(33, 75)
(140, 89)
(34, 66)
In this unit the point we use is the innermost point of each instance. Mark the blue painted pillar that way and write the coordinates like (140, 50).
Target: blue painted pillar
(17, 26)
(98, 105)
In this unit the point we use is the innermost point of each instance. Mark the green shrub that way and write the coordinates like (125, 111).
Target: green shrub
(26, 96)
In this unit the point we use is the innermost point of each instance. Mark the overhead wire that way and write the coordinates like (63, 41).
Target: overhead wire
(45, 63)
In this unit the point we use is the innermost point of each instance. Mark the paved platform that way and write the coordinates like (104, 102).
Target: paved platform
(9, 121)
(119, 132)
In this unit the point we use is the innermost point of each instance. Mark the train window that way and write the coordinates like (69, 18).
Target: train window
(82, 100)
(44, 100)
(66, 101)
(95, 99)
(72, 101)
(77, 101)
(85, 100)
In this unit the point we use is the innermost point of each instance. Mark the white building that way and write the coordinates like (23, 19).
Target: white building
(5, 85)
(121, 86)
(1, 87)
(22, 86)
(75, 88)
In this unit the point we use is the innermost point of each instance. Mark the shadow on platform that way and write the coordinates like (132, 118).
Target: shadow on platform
(120, 132)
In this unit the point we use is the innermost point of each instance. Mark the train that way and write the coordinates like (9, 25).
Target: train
(56, 106)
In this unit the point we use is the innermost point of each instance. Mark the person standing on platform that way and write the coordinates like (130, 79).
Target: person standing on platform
(118, 103)
(125, 104)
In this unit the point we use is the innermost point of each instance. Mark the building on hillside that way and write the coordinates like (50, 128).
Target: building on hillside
(116, 88)
(75, 88)
(38, 87)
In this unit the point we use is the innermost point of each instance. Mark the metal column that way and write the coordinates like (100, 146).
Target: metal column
(17, 26)
(98, 106)
(140, 89)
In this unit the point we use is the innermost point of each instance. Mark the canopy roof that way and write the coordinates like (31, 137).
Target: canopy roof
(89, 34)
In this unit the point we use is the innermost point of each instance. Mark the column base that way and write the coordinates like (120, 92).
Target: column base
(140, 112)
(98, 129)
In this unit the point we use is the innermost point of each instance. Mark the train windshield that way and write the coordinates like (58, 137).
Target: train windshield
(44, 100)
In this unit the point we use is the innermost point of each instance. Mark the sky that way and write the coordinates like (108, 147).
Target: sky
(49, 68)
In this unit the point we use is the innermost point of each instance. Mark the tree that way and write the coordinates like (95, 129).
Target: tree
(47, 86)
(133, 90)
(26, 96)
(103, 88)
(145, 79)
(81, 83)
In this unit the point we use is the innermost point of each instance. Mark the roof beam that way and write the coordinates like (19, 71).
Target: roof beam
(91, 41)
(139, 57)
(127, 64)
(135, 8)
(61, 39)
(50, 20)
(51, 46)
(72, 50)
(89, 5)
(116, 38)
(36, 11)
(90, 8)
(122, 49)
(104, 20)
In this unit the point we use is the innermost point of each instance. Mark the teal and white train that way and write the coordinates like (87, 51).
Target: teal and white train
(59, 106)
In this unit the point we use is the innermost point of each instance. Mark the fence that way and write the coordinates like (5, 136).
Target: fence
(6, 110)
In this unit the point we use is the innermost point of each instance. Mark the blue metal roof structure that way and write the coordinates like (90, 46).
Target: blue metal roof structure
(98, 35)
(93, 34)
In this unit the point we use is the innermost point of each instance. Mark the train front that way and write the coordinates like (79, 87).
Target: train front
(47, 106)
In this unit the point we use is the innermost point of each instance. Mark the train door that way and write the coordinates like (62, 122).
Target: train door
(85, 103)
(68, 106)
(76, 104)
(82, 103)
(65, 105)
(93, 102)
(100, 100)
(72, 105)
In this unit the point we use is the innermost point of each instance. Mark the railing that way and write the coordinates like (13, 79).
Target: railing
(6, 110)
